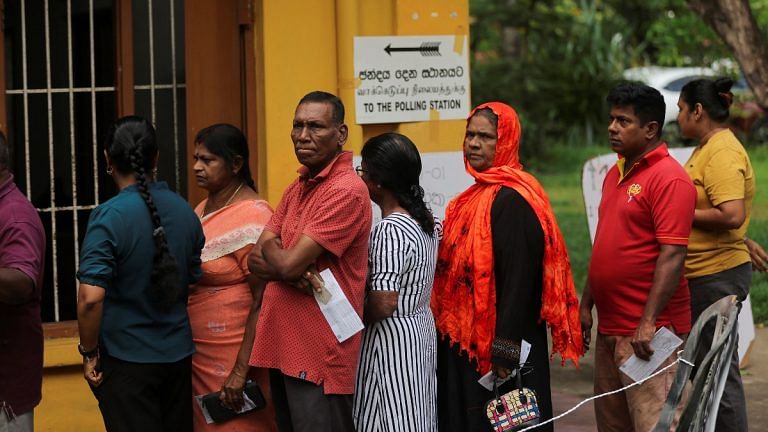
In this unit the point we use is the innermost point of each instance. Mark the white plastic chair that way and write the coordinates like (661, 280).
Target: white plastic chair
(700, 412)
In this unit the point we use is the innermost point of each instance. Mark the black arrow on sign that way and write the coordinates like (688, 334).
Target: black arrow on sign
(425, 49)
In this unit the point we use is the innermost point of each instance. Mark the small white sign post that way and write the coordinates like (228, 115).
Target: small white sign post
(411, 78)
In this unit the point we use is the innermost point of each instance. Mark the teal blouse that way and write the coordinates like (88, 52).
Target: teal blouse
(117, 255)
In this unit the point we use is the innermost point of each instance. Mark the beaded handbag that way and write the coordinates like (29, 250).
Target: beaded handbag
(514, 410)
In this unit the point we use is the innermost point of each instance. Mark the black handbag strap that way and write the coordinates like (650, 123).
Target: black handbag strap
(523, 397)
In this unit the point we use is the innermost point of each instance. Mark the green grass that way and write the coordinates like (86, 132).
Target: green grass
(758, 230)
(559, 170)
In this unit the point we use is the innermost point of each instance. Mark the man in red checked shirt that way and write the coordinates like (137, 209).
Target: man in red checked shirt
(636, 270)
(322, 222)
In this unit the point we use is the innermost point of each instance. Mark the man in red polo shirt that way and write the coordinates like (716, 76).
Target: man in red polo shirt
(635, 273)
(323, 221)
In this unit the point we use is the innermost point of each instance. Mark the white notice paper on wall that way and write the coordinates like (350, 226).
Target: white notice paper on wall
(338, 311)
(663, 344)
(442, 177)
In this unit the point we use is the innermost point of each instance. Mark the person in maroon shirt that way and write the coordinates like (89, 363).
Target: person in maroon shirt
(322, 222)
(635, 273)
(22, 254)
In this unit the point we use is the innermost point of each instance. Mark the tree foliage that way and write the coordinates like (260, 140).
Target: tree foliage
(551, 60)
(735, 23)
(555, 60)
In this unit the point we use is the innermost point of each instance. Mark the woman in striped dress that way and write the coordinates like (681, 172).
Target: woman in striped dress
(396, 384)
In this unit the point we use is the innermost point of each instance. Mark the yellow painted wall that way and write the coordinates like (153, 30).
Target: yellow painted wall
(318, 55)
(425, 17)
(298, 47)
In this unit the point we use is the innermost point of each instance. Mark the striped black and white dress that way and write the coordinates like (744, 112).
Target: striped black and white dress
(396, 384)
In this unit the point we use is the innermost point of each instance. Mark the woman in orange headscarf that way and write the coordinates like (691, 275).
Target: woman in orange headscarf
(502, 276)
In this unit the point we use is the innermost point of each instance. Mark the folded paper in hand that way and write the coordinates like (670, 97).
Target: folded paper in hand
(337, 309)
(663, 344)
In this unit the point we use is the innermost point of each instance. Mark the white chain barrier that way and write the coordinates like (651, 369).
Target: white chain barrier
(595, 397)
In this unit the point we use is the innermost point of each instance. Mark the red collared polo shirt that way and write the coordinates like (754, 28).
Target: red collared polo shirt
(333, 209)
(650, 204)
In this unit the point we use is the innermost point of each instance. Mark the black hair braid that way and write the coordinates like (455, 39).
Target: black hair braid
(165, 270)
(413, 201)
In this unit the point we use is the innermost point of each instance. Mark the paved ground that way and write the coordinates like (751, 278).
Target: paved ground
(69, 406)
(571, 385)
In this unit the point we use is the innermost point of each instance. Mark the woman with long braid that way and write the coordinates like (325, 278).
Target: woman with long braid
(396, 384)
(141, 251)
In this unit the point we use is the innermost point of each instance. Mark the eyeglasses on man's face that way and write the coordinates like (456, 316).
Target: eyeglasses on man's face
(314, 128)
(360, 171)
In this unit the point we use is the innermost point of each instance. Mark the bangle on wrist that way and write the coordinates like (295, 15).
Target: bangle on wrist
(235, 372)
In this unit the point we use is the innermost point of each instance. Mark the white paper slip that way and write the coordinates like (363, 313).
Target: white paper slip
(663, 344)
(487, 379)
(338, 311)
(525, 349)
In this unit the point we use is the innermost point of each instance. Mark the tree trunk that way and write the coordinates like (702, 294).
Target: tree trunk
(734, 22)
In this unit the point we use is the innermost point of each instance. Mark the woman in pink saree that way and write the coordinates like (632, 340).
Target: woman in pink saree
(225, 303)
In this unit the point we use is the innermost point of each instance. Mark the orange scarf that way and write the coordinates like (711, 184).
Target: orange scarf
(464, 291)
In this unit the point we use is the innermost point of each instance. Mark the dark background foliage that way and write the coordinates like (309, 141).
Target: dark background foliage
(554, 60)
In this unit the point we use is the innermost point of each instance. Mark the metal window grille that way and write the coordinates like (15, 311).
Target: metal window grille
(60, 100)
(159, 80)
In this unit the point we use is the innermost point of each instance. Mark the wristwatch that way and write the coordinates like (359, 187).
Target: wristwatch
(88, 354)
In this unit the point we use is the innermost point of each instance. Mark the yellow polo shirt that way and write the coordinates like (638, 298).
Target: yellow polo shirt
(721, 171)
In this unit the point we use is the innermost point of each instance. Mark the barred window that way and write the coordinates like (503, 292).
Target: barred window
(71, 68)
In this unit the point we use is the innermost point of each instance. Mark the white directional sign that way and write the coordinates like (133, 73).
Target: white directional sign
(411, 78)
